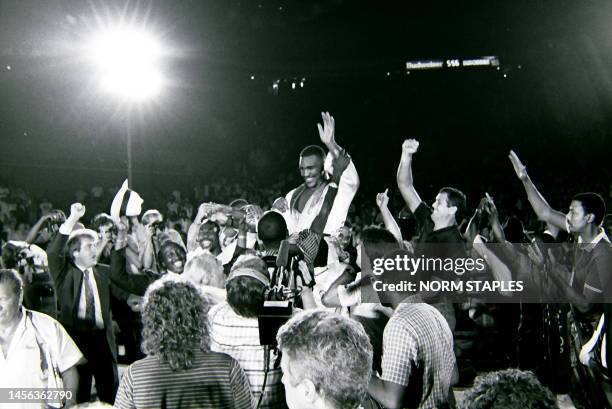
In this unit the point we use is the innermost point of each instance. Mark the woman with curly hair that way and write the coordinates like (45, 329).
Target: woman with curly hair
(508, 389)
(180, 371)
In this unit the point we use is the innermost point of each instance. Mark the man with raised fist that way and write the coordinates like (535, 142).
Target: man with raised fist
(83, 290)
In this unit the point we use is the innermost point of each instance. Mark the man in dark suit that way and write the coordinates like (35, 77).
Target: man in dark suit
(83, 291)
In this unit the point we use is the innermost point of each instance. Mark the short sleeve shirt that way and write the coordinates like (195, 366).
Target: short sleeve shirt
(22, 366)
(238, 337)
(418, 353)
(591, 268)
(443, 243)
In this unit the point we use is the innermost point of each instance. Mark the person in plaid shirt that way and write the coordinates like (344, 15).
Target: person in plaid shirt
(418, 362)
(234, 328)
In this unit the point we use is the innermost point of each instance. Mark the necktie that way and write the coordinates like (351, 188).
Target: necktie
(90, 312)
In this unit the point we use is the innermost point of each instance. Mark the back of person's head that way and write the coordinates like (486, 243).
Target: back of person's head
(246, 285)
(328, 355)
(205, 269)
(508, 389)
(272, 228)
(592, 203)
(175, 323)
(377, 242)
(313, 150)
(456, 198)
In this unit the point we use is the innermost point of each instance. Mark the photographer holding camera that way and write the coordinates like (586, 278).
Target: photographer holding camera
(151, 236)
(43, 230)
(107, 234)
(30, 260)
(224, 231)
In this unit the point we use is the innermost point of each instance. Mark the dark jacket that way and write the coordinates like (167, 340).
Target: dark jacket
(68, 280)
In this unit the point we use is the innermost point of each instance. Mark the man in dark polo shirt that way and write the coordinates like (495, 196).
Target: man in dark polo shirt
(592, 255)
(440, 236)
(587, 285)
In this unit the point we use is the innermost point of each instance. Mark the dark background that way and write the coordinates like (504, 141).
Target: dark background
(553, 106)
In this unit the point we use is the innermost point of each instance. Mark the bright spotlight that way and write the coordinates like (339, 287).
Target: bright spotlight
(127, 60)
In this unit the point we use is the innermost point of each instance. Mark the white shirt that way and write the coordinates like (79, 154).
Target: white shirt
(349, 182)
(21, 368)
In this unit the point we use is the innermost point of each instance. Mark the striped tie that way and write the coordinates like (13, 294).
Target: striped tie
(90, 309)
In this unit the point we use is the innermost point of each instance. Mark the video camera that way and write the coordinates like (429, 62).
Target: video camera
(157, 225)
(284, 289)
(56, 217)
(39, 291)
(19, 256)
(284, 279)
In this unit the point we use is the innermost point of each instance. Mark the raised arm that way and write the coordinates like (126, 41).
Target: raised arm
(347, 181)
(540, 206)
(498, 269)
(340, 164)
(405, 181)
(382, 200)
(33, 233)
(194, 228)
(56, 251)
(133, 283)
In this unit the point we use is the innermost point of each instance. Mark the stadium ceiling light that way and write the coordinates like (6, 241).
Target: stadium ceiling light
(128, 63)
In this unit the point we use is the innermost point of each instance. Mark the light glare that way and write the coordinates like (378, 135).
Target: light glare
(127, 61)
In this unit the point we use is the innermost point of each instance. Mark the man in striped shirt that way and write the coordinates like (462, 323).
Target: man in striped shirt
(235, 329)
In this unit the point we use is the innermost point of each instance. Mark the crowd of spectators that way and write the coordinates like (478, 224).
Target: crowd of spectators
(176, 285)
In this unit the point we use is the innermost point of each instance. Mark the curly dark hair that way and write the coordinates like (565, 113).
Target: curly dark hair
(508, 389)
(175, 323)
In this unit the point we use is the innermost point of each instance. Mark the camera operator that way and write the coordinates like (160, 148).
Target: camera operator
(30, 261)
(45, 228)
(235, 326)
(107, 234)
(155, 231)
(222, 231)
